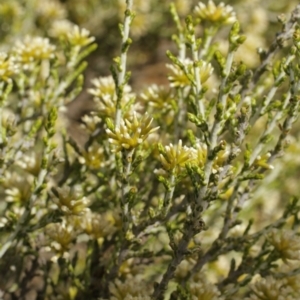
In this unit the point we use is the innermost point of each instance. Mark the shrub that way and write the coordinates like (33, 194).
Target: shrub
(171, 193)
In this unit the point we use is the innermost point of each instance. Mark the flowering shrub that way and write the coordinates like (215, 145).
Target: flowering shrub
(173, 192)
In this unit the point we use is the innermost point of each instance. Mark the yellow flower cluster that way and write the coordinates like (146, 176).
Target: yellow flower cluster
(70, 201)
(10, 9)
(105, 97)
(91, 122)
(201, 289)
(270, 288)
(286, 243)
(80, 37)
(51, 10)
(131, 289)
(131, 133)
(33, 49)
(175, 157)
(8, 67)
(93, 157)
(217, 15)
(178, 77)
(17, 188)
(98, 226)
(158, 97)
(61, 237)
(60, 28)
(30, 163)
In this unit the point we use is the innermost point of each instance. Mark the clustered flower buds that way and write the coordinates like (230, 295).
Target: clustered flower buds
(80, 37)
(8, 66)
(174, 189)
(273, 289)
(104, 92)
(70, 201)
(174, 157)
(286, 243)
(33, 49)
(180, 77)
(215, 14)
(131, 133)
(61, 237)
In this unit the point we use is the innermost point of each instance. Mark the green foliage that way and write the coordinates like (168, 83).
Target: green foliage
(176, 191)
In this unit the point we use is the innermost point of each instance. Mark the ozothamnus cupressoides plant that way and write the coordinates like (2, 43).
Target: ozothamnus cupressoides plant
(160, 201)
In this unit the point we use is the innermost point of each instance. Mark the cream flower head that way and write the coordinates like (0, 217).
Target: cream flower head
(131, 133)
(221, 14)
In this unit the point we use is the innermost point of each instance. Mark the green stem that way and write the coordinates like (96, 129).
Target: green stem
(123, 61)
(126, 212)
(198, 84)
(169, 196)
(217, 126)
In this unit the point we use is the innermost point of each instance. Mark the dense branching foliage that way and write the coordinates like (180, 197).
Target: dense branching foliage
(169, 194)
